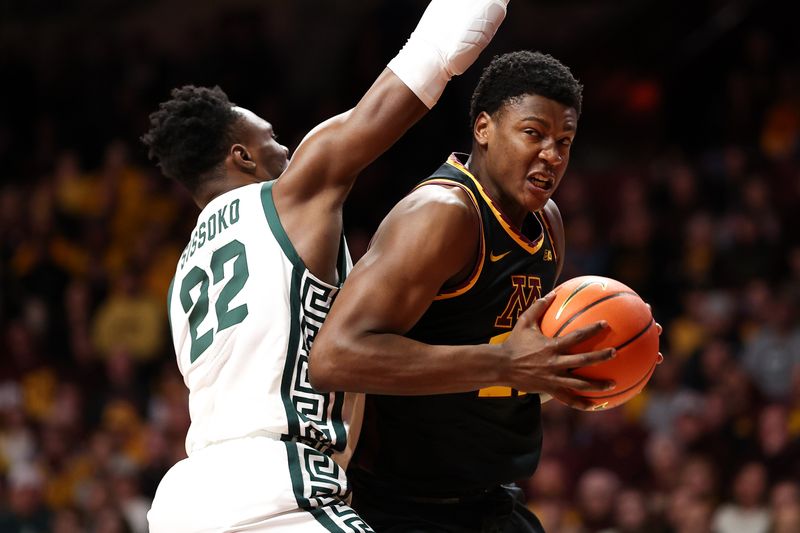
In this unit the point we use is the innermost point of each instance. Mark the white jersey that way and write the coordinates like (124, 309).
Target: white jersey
(244, 312)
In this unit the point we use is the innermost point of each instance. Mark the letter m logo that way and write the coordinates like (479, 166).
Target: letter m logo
(527, 289)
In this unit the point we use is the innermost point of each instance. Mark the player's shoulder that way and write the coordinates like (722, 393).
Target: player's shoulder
(555, 224)
(552, 217)
(445, 199)
(434, 210)
(551, 212)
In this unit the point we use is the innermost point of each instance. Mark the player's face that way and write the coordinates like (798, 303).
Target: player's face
(527, 144)
(271, 158)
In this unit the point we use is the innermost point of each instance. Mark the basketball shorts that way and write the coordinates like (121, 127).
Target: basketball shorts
(254, 484)
(497, 510)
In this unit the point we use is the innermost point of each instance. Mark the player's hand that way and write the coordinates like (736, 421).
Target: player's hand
(537, 363)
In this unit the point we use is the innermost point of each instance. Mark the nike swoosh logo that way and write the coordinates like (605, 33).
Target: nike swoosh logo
(495, 258)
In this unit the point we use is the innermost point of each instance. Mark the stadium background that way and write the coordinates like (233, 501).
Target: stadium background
(684, 184)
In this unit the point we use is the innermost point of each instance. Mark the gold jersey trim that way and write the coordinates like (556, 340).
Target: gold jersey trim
(530, 246)
(467, 284)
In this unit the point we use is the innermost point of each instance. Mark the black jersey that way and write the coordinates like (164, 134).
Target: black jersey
(455, 443)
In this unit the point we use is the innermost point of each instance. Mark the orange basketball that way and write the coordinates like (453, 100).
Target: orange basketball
(631, 330)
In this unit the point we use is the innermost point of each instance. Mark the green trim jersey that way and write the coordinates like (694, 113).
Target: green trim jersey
(244, 311)
(454, 443)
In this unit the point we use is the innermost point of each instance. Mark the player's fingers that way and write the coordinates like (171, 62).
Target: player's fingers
(576, 402)
(585, 359)
(660, 358)
(533, 314)
(659, 328)
(580, 335)
(576, 383)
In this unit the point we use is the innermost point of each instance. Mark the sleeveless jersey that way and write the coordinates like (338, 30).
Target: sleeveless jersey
(455, 443)
(244, 311)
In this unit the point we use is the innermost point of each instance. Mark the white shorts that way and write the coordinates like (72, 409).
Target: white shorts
(254, 484)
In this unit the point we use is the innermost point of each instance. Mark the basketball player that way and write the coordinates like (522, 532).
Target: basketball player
(266, 452)
(433, 324)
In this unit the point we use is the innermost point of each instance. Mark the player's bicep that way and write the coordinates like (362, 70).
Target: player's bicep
(418, 248)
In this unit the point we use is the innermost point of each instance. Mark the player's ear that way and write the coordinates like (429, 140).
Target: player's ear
(241, 158)
(480, 130)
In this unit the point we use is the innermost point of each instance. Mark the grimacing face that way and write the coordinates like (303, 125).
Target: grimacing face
(259, 138)
(527, 143)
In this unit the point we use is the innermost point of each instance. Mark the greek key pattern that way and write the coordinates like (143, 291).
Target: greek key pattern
(316, 413)
(317, 300)
(320, 487)
(347, 519)
(323, 484)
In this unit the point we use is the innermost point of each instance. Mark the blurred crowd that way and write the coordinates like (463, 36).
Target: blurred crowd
(685, 185)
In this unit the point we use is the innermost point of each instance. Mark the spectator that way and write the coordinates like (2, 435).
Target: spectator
(747, 512)
(129, 319)
(26, 511)
(595, 499)
(777, 450)
(773, 352)
(632, 514)
(785, 507)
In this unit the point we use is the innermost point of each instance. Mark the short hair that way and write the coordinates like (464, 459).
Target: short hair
(190, 134)
(515, 74)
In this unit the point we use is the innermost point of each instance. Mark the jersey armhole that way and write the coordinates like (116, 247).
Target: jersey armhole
(463, 286)
(548, 228)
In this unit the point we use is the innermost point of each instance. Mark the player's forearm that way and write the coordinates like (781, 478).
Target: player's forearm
(448, 38)
(383, 115)
(384, 363)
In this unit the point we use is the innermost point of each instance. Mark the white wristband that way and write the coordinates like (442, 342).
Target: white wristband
(448, 38)
(422, 69)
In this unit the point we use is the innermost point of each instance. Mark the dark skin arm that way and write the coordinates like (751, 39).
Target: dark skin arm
(429, 238)
(325, 165)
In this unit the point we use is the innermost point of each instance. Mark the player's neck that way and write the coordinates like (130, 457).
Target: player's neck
(511, 210)
(216, 187)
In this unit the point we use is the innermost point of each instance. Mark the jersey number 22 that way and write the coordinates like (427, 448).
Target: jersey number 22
(226, 317)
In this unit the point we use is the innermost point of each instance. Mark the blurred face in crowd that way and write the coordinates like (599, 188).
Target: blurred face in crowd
(785, 507)
(773, 429)
(695, 517)
(631, 510)
(261, 147)
(527, 145)
(549, 480)
(750, 484)
(697, 475)
(663, 456)
(596, 491)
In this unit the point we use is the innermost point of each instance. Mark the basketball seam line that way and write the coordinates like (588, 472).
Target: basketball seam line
(618, 392)
(596, 302)
(627, 342)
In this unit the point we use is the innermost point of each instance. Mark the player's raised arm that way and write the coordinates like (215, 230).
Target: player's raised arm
(447, 40)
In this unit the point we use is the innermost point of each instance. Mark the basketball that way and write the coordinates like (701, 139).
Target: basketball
(631, 330)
